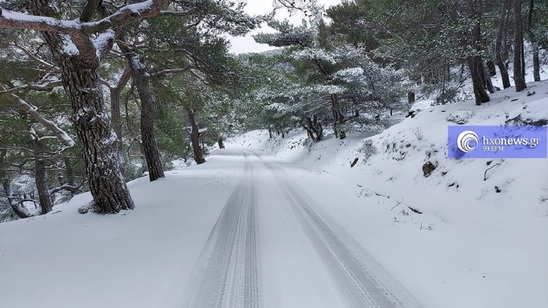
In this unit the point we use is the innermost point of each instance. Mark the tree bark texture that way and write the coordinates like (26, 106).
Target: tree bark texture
(72, 45)
(338, 117)
(115, 93)
(40, 176)
(141, 79)
(534, 42)
(475, 64)
(195, 138)
(474, 9)
(499, 59)
(79, 72)
(106, 182)
(519, 54)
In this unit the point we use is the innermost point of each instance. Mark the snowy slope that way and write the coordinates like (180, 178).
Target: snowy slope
(481, 240)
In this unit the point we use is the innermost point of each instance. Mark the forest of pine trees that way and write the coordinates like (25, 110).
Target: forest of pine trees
(96, 93)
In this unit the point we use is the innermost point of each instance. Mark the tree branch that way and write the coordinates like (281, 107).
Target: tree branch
(33, 87)
(75, 189)
(31, 111)
(15, 20)
(35, 58)
(168, 71)
(77, 27)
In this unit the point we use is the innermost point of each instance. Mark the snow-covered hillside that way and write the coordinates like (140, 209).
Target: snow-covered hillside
(471, 234)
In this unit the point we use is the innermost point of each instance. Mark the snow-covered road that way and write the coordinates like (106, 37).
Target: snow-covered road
(243, 230)
(274, 246)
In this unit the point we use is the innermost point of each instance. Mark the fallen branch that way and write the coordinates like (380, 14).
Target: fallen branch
(414, 210)
(493, 166)
(72, 188)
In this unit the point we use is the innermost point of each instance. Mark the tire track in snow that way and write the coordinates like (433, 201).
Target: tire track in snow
(227, 274)
(359, 285)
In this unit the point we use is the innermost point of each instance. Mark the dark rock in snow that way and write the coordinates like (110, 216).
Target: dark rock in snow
(427, 168)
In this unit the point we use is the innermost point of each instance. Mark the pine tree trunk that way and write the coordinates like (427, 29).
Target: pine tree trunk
(141, 79)
(317, 127)
(115, 114)
(487, 82)
(536, 62)
(79, 72)
(338, 118)
(410, 98)
(491, 68)
(107, 185)
(534, 42)
(474, 9)
(115, 93)
(40, 176)
(499, 60)
(312, 127)
(475, 65)
(519, 57)
(195, 138)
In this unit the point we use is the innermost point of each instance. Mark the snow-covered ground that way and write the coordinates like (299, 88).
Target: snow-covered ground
(482, 237)
(287, 223)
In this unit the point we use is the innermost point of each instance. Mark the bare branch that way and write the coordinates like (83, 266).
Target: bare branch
(35, 58)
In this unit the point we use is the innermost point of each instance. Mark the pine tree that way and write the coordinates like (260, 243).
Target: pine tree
(519, 53)
(78, 52)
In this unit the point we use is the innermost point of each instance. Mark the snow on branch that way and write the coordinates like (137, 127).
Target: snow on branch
(287, 35)
(296, 5)
(15, 20)
(348, 75)
(314, 54)
(103, 43)
(34, 87)
(127, 14)
(75, 28)
(32, 112)
(76, 189)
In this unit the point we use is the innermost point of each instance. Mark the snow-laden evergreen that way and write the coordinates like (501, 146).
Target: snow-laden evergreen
(452, 239)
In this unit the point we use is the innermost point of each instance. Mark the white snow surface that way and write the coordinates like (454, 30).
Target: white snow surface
(257, 202)
(536, 111)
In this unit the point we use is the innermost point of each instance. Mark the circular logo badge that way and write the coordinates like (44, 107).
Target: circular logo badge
(467, 141)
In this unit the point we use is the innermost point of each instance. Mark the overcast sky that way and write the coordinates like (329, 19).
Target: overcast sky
(258, 7)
